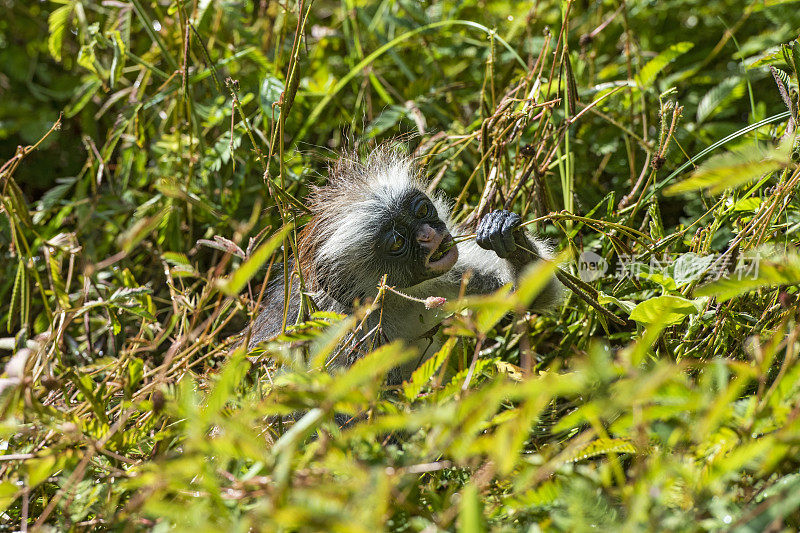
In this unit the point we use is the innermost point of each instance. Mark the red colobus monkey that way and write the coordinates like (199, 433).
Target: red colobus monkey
(374, 219)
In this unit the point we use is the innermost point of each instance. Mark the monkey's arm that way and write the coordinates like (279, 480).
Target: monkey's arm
(500, 252)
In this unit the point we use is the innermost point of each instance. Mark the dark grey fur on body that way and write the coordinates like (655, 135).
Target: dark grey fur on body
(344, 255)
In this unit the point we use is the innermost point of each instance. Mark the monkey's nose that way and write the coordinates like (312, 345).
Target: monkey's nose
(426, 234)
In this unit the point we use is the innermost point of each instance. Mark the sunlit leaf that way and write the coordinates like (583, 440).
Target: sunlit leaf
(470, 513)
(371, 368)
(57, 24)
(733, 169)
(234, 283)
(665, 310)
(8, 493)
(41, 468)
(427, 369)
(751, 274)
(602, 447)
(650, 70)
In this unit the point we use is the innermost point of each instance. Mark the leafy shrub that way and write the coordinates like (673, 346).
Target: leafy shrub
(139, 228)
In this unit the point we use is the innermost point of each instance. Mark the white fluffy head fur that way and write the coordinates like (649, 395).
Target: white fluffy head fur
(336, 246)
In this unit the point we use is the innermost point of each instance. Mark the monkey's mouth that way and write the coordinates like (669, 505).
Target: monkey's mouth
(444, 257)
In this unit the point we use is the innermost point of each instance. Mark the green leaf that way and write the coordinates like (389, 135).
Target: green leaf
(139, 230)
(17, 293)
(93, 394)
(40, 468)
(748, 204)
(734, 169)
(58, 285)
(602, 447)
(728, 89)
(666, 310)
(116, 327)
(234, 283)
(329, 340)
(546, 494)
(651, 69)
(270, 93)
(18, 205)
(690, 267)
(135, 372)
(371, 369)
(181, 266)
(118, 61)
(386, 120)
(796, 57)
(470, 511)
(535, 278)
(425, 372)
(759, 273)
(770, 56)
(625, 305)
(8, 493)
(488, 309)
(87, 58)
(662, 279)
(760, 516)
(176, 259)
(231, 377)
(57, 25)
(82, 96)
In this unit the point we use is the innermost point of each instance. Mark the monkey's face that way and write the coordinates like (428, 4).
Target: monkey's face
(414, 244)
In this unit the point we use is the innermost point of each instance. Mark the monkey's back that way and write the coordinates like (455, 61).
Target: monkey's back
(270, 317)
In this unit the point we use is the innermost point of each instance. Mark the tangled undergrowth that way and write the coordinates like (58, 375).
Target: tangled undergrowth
(165, 151)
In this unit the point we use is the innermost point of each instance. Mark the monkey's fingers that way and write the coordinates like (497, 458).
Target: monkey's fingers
(498, 240)
(511, 222)
(482, 234)
(490, 233)
(505, 224)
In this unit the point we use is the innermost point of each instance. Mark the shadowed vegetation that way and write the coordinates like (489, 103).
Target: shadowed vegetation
(156, 159)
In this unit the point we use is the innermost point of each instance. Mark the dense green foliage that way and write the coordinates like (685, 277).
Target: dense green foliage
(137, 231)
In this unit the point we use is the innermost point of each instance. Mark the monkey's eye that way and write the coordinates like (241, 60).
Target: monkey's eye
(422, 210)
(396, 243)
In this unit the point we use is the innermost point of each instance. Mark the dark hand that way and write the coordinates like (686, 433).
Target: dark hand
(496, 232)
